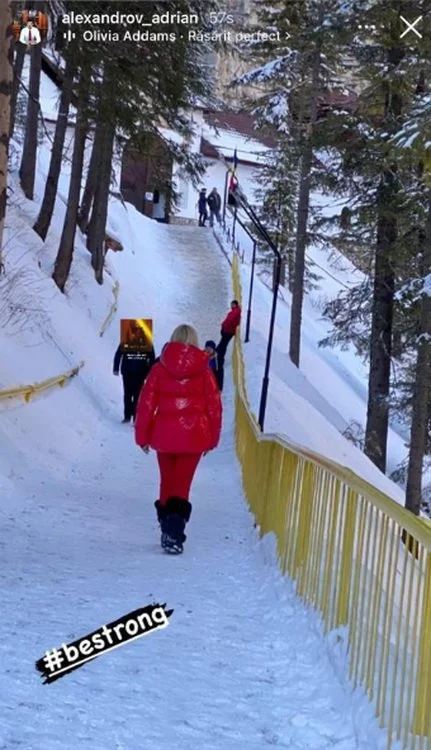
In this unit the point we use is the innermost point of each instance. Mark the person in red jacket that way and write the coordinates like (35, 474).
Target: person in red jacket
(228, 330)
(179, 415)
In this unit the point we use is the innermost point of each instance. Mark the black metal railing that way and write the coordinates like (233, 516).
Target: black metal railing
(235, 202)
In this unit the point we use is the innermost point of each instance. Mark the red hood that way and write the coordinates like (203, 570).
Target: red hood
(183, 360)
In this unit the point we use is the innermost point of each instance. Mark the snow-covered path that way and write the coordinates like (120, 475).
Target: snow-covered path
(242, 663)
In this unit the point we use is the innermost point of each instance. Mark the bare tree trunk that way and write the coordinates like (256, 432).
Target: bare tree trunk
(6, 52)
(27, 170)
(422, 390)
(64, 257)
(291, 270)
(92, 177)
(376, 431)
(17, 75)
(302, 219)
(97, 225)
(47, 208)
(282, 278)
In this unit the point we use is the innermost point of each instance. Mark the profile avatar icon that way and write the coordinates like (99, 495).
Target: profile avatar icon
(30, 27)
(30, 34)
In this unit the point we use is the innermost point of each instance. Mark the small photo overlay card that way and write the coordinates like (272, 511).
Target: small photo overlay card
(30, 27)
(136, 335)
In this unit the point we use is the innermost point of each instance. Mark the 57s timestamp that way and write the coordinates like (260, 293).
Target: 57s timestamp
(220, 17)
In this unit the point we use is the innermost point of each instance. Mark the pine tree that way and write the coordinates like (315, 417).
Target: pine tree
(422, 387)
(19, 50)
(27, 170)
(304, 189)
(377, 218)
(388, 199)
(64, 257)
(276, 194)
(51, 186)
(134, 89)
(92, 176)
(414, 143)
(294, 73)
(96, 226)
(135, 81)
(5, 97)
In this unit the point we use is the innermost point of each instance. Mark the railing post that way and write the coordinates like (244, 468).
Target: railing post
(421, 718)
(225, 198)
(265, 381)
(233, 228)
(333, 504)
(342, 606)
(250, 294)
(302, 540)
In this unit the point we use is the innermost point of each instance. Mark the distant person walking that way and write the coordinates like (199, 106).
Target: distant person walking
(179, 416)
(228, 330)
(202, 207)
(214, 205)
(135, 366)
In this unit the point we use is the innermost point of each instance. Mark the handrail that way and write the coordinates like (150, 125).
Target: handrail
(28, 391)
(112, 311)
(413, 524)
(357, 556)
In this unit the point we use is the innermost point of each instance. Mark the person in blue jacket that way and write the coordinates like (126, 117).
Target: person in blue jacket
(210, 348)
(135, 365)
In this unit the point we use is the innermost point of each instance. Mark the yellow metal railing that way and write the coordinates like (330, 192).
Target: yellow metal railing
(112, 311)
(357, 556)
(29, 391)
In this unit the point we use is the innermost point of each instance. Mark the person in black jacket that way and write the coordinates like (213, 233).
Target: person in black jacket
(135, 366)
(202, 207)
(214, 205)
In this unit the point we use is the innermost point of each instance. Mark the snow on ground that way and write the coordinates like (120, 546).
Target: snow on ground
(243, 663)
(314, 405)
(49, 94)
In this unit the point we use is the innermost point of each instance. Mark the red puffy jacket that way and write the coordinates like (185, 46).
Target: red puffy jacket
(179, 408)
(232, 321)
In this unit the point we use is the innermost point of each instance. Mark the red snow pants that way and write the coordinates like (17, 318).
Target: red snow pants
(176, 474)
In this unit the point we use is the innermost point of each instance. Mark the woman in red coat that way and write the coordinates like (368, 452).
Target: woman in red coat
(178, 415)
(228, 329)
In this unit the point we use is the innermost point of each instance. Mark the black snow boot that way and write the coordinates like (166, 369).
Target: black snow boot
(176, 513)
(160, 510)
